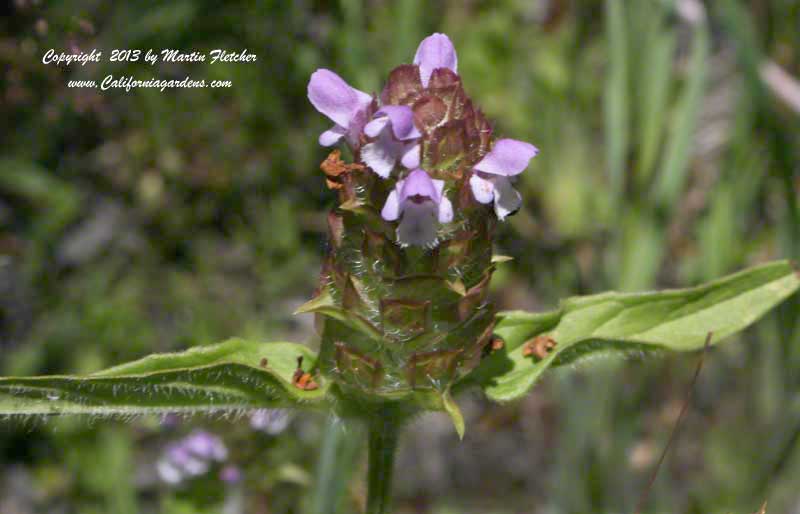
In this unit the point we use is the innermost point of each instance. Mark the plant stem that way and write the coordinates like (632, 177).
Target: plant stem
(340, 448)
(384, 428)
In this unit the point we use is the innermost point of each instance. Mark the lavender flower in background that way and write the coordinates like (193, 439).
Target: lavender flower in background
(230, 474)
(270, 421)
(190, 457)
(198, 452)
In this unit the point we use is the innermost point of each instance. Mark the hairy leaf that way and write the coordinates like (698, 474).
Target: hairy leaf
(612, 322)
(229, 376)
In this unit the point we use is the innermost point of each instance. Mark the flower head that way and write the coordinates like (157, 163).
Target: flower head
(420, 204)
(423, 119)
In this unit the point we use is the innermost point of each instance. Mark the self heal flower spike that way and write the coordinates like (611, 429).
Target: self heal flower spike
(402, 304)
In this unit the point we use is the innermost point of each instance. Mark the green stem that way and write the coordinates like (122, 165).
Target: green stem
(340, 449)
(384, 428)
(325, 496)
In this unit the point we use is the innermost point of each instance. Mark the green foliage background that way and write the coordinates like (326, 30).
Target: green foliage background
(153, 221)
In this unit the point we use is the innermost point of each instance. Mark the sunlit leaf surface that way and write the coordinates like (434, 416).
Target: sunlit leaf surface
(229, 376)
(622, 322)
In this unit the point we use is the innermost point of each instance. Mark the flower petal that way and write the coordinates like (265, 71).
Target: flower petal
(482, 189)
(374, 127)
(418, 183)
(435, 51)
(205, 445)
(445, 210)
(391, 209)
(270, 421)
(196, 467)
(419, 224)
(411, 156)
(402, 119)
(168, 472)
(357, 126)
(507, 157)
(438, 185)
(507, 200)
(332, 136)
(382, 155)
(334, 98)
(230, 474)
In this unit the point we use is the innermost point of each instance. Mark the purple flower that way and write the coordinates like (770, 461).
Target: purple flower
(421, 203)
(423, 108)
(435, 51)
(270, 421)
(345, 105)
(230, 474)
(206, 446)
(191, 456)
(397, 138)
(490, 181)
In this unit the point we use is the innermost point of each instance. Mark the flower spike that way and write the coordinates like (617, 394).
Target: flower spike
(410, 259)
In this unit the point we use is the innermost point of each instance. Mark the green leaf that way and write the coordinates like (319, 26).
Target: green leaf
(228, 376)
(324, 303)
(676, 319)
(452, 408)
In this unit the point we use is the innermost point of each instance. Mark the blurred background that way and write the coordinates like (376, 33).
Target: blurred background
(154, 221)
